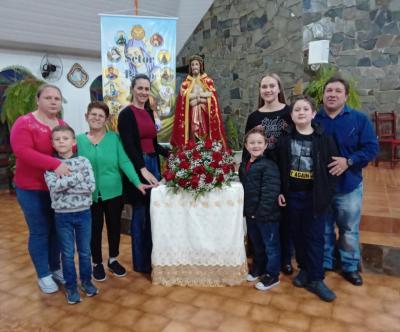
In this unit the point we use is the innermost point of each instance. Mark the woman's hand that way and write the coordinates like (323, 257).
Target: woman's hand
(142, 188)
(281, 200)
(150, 178)
(62, 170)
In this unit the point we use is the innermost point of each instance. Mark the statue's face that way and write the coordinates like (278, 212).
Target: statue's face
(195, 67)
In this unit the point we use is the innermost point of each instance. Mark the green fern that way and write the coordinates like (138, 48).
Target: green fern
(20, 99)
(232, 133)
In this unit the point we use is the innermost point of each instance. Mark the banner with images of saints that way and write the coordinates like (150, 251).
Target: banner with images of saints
(132, 45)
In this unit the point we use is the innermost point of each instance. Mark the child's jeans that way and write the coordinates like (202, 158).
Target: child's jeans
(308, 234)
(71, 227)
(266, 247)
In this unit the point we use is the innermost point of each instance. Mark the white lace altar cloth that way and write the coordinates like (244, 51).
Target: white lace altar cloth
(198, 242)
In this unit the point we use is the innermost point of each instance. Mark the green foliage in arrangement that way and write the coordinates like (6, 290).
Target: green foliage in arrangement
(315, 87)
(232, 133)
(20, 99)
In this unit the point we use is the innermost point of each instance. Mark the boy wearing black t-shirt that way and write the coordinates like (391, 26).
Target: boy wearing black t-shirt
(304, 153)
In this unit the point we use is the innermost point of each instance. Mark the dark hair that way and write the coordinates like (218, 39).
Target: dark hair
(139, 77)
(256, 130)
(133, 83)
(308, 99)
(48, 86)
(99, 104)
(339, 79)
(63, 127)
(281, 95)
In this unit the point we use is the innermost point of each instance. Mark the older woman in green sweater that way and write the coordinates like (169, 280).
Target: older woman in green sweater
(108, 158)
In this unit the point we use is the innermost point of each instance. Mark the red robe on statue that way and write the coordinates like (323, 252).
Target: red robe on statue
(200, 121)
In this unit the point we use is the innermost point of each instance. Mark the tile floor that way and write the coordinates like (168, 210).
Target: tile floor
(134, 304)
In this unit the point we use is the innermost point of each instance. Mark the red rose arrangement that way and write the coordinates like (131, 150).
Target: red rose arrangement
(199, 167)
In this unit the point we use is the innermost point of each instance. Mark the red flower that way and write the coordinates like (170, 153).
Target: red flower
(169, 175)
(229, 151)
(194, 182)
(214, 164)
(209, 178)
(199, 169)
(217, 156)
(184, 164)
(208, 144)
(182, 183)
(196, 155)
(220, 178)
(182, 155)
(190, 144)
(226, 168)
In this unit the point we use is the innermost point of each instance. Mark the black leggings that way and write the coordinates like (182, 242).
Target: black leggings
(111, 209)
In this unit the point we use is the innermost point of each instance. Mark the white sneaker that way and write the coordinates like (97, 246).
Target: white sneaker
(58, 276)
(251, 278)
(47, 285)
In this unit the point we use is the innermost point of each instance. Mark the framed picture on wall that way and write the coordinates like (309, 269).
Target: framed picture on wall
(77, 76)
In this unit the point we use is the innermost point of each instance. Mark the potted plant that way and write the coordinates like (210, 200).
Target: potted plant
(20, 99)
(315, 87)
(232, 135)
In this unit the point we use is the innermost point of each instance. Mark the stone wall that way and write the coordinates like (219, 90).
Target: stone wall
(243, 40)
(365, 45)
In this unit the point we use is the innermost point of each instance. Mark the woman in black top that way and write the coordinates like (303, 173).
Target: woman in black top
(274, 116)
(273, 113)
(138, 134)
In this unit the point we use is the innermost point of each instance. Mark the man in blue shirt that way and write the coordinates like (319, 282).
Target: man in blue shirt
(358, 145)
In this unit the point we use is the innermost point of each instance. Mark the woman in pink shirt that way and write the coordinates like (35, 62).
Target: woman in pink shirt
(31, 144)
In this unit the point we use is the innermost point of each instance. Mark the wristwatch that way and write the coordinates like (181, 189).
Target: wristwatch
(350, 162)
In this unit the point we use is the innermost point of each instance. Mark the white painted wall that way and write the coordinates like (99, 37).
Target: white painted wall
(77, 98)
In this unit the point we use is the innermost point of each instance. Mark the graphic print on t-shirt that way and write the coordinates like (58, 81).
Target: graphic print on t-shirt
(302, 164)
(273, 128)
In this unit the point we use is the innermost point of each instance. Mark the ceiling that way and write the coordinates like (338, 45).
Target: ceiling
(73, 26)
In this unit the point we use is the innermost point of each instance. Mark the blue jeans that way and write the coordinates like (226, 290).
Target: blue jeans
(266, 247)
(141, 226)
(71, 227)
(346, 213)
(39, 216)
(308, 234)
(286, 239)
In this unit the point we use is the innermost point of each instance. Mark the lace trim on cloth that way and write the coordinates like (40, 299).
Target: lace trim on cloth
(200, 276)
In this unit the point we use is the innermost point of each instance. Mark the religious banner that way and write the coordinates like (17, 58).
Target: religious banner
(132, 45)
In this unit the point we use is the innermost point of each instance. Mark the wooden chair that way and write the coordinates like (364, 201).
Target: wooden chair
(386, 125)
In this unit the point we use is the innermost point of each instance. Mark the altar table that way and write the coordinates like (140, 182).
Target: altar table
(198, 242)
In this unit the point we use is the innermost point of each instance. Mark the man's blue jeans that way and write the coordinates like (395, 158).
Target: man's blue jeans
(71, 227)
(346, 213)
(42, 244)
(266, 247)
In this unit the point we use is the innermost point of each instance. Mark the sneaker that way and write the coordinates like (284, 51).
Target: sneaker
(250, 277)
(301, 279)
(47, 285)
(117, 269)
(98, 272)
(89, 288)
(58, 276)
(266, 282)
(287, 269)
(319, 288)
(73, 296)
